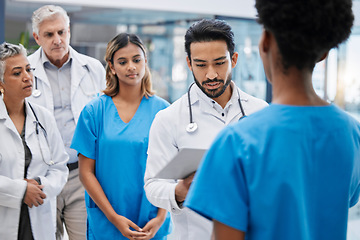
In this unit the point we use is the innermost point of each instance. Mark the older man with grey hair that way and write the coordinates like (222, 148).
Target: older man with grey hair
(65, 81)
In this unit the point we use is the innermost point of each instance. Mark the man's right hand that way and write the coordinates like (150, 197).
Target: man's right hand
(182, 188)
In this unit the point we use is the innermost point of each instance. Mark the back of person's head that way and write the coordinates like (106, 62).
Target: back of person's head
(8, 50)
(47, 12)
(305, 30)
(112, 83)
(208, 30)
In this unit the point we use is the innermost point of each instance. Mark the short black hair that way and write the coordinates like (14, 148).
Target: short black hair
(306, 29)
(208, 30)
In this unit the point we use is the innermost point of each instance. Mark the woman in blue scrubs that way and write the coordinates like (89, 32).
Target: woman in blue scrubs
(290, 170)
(111, 138)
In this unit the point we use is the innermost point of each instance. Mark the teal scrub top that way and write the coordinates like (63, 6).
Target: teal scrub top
(285, 172)
(120, 152)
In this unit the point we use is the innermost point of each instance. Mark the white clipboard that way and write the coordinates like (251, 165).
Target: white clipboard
(183, 164)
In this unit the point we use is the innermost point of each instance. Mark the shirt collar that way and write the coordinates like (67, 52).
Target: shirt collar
(234, 96)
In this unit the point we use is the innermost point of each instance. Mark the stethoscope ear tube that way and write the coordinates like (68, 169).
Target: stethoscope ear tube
(241, 107)
(192, 126)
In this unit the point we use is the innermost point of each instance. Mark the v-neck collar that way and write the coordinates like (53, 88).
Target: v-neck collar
(135, 115)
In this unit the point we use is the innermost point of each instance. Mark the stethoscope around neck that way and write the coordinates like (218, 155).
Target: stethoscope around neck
(37, 92)
(192, 126)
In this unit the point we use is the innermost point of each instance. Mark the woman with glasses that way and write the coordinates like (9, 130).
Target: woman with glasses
(32, 157)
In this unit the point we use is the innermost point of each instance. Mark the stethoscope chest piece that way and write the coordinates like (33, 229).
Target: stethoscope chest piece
(36, 93)
(191, 127)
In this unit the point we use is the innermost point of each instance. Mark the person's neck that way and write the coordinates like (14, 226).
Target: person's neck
(295, 88)
(129, 94)
(224, 98)
(15, 107)
(60, 62)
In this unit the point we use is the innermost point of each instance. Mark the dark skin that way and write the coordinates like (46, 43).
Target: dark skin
(290, 87)
(293, 86)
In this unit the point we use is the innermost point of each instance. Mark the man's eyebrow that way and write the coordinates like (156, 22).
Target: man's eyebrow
(216, 59)
(59, 30)
(198, 60)
(220, 58)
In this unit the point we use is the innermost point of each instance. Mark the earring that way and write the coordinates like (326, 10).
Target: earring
(2, 91)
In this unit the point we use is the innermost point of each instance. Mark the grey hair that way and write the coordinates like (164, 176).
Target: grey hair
(46, 12)
(9, 50)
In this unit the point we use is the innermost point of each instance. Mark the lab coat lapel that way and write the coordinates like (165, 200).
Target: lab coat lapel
(39, 71)
(4, 117)
(41, 79)
(78, 72)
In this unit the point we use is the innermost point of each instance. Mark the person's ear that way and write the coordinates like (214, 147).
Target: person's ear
(264, 43)
(234, 59)
(36, 37)
(111, 68)
(188, 62)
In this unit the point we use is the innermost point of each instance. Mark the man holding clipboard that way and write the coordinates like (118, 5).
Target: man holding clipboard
(211, 103)
(182, 165)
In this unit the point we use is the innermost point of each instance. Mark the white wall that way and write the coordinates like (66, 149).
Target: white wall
(235, 8)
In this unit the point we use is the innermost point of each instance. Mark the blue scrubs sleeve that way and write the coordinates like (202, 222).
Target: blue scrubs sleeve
(355, 196)
(85, 136)
(219, 189)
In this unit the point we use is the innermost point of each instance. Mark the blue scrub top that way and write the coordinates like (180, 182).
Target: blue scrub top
(285, 172)
(120, 152)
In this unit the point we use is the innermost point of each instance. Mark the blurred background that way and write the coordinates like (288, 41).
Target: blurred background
(162, 25)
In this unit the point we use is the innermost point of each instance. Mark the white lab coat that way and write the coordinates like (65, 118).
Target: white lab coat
(87, 81)
(12, 166)
(168, 135)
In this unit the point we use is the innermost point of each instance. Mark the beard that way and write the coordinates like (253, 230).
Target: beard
(214, 93)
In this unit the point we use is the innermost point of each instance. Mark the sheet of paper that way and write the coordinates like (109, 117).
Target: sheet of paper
(183, 164)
